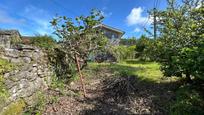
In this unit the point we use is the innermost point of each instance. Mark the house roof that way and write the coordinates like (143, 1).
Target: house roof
(111, 28)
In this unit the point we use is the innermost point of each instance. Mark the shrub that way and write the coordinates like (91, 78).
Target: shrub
(180, 47)
(122, 52)
(128, 42)
(45, 41)
(188, 102)
(142, 48)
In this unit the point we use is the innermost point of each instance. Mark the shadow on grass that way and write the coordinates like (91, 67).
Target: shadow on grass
(136, 61)
(126, 93)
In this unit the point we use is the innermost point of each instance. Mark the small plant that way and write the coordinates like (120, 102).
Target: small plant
(39, 105)
(188, 102)
(57, 83)
(46, 42)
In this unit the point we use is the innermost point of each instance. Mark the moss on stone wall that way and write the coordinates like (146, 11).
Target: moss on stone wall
(15, 108)
(16, 39)
(5, 66)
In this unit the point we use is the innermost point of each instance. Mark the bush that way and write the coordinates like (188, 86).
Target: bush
(180, 47)
(188, 102)
(45, 41)
(122, 52)
(64, 68)
(143, 48)
(128, 42)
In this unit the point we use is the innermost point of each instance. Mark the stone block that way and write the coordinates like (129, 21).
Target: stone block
(27, 59)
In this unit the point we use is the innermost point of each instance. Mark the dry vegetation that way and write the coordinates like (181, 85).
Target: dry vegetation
(121, 88)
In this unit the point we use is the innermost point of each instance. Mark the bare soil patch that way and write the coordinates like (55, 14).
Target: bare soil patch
(115, 95)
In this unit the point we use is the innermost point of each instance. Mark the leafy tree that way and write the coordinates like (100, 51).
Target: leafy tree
(142, 47)
(180, 48)
(79, 38)
(128, 41)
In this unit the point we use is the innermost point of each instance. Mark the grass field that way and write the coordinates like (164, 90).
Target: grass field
(149, 71)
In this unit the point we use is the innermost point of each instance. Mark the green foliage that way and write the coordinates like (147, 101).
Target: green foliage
(45, 41)
(143, 47)
(64, 67)
(180, 47)
(5, 66)
(38, 106)
(188, 102)
(148, 71)
(15, 108)
(122, 52)
(79, 37)
(57, 83)
(3, 91)
(15, 40)
(128, 42)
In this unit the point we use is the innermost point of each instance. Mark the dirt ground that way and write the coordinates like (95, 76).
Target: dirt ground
(107, 96)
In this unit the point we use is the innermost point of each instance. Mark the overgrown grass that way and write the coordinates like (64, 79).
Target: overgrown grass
(144, 70)
(189, 100)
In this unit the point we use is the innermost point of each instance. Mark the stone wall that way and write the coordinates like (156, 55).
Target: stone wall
(9, 37)
(32, 74)
(4, 41)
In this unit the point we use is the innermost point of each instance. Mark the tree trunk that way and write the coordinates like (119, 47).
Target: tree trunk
(188, 77)
(80, 74)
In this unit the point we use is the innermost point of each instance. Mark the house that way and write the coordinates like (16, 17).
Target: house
(113, 34)
(9, 37)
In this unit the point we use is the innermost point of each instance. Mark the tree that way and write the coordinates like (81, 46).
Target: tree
(128, 41)
(79, 38)
(142, 47)
(180, 47)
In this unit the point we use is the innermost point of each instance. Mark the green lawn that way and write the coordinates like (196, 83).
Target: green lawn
(144, 70)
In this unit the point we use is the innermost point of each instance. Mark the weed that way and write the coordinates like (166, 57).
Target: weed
(188, 102)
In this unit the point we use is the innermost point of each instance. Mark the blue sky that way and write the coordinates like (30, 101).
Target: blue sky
(32, 17)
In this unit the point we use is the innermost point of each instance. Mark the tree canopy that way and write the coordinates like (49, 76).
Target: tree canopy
(79, 38)
(180, 47)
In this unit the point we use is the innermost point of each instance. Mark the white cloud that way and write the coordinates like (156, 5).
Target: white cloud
(135, 17)
(137, 30)
(105, 13)
(7, 19)
(39, 18)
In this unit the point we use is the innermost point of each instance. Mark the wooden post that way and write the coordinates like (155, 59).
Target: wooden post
(80, 74)
(155, 24)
